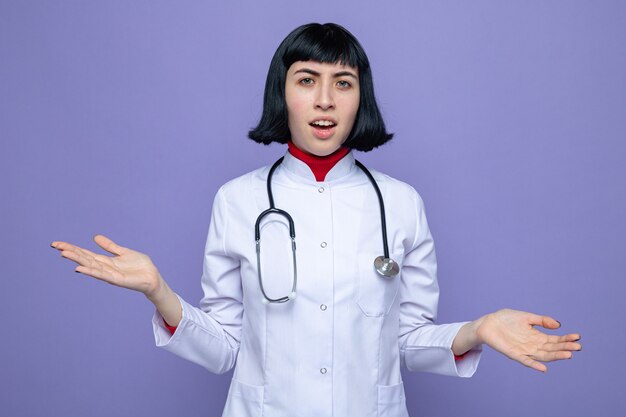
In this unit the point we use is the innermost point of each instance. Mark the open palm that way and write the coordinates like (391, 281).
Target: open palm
(512, 333)
(128, 268)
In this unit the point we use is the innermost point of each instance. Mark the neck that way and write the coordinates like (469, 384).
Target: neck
(320, 165)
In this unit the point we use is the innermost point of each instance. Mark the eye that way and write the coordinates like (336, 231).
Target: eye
(344, 84)
(306, 81)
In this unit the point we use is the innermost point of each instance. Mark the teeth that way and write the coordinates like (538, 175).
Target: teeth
(323, 123)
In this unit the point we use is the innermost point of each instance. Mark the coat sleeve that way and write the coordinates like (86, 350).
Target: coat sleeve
(425, 346)
(209, 335)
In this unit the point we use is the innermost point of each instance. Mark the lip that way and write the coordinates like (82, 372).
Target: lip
(323, 133)
(329, 119)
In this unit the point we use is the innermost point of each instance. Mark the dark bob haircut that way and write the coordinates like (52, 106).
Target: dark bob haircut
(327, 43)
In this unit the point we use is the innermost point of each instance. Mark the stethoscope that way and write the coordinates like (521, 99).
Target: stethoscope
(384, 265)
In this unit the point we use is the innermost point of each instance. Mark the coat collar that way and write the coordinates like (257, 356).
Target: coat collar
(342, 168)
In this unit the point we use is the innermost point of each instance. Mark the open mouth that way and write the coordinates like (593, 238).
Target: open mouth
(322, 124)
(323, 129)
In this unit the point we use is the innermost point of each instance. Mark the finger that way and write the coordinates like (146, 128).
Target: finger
(572, 337)
(79, 258)
(95, 272)
(531, 363)
(108, 245)
(544, 321)
(64, 246)
(553, 356)
(101, 272)
(565, 346)
(100, 258)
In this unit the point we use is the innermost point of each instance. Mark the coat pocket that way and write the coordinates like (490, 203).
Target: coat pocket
(391, 401)
(375, 293)
(244, 399)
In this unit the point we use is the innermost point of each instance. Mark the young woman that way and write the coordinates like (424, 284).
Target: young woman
(338, 287)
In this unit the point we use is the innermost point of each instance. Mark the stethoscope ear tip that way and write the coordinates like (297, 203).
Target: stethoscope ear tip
(265, 301)
(292, 295)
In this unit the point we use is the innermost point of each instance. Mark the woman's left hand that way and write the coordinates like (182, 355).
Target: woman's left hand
(512, 333)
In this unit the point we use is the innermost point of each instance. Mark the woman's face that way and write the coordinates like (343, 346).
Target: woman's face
(322, 102)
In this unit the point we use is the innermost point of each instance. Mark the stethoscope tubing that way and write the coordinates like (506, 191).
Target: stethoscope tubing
(381, 204)
(292, 231)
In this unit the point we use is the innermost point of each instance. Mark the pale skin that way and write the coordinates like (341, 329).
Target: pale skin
(315, 90)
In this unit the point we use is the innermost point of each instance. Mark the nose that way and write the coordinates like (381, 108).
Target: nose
(324, 99)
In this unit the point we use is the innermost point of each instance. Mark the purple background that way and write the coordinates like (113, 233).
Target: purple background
(123, 118)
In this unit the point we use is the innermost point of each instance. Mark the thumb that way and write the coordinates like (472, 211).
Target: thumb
(108, 245)
(547, 322)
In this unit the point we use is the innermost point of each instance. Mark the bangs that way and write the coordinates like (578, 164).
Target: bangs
(328, 43)
(324, 43)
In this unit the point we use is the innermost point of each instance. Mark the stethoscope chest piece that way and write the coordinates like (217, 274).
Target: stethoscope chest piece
(386, 267)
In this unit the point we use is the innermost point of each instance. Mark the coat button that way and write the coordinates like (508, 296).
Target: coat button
(323, 307)
(321, 189)
(323, 371)
(323, 244)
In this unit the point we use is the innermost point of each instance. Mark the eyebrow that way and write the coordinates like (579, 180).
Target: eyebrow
(337, 74)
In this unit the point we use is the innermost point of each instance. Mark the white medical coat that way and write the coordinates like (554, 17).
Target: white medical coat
(336, 350)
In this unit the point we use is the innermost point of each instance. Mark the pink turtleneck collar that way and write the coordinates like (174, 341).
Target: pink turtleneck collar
(320, 165)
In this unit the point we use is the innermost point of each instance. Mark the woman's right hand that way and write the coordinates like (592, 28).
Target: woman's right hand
(127, 269)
